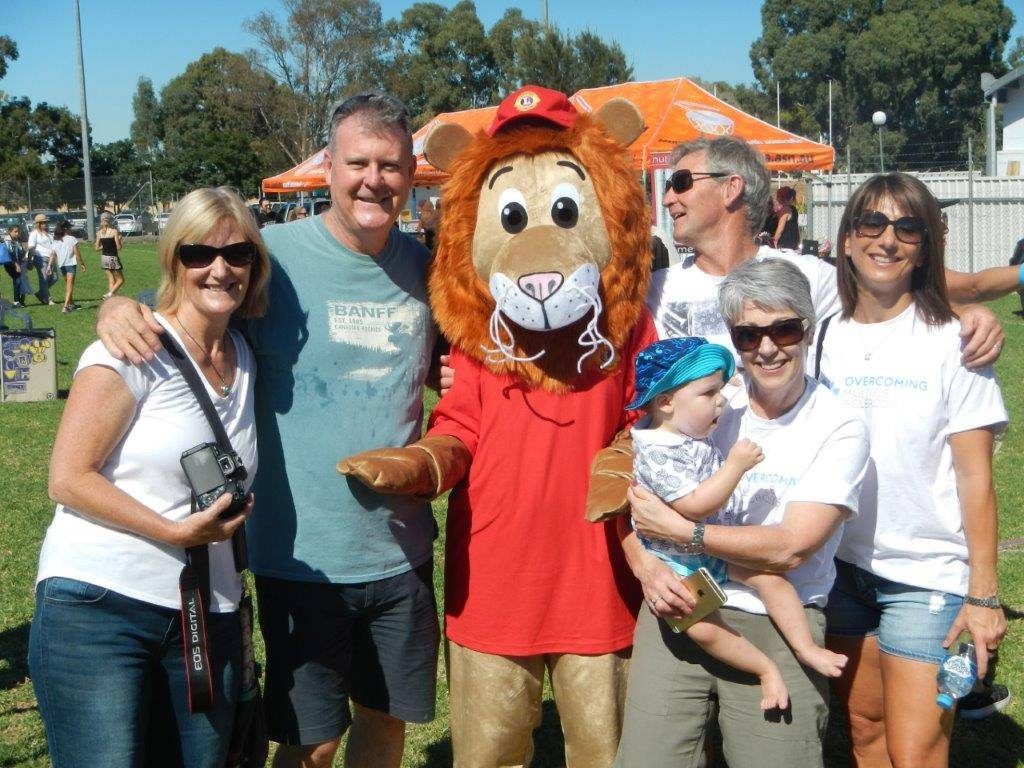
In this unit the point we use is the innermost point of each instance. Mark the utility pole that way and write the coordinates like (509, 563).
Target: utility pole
(778, 105)
(544, 13)
(90, 209)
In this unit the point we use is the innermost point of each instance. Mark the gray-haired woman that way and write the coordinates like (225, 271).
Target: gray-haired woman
(793, 506)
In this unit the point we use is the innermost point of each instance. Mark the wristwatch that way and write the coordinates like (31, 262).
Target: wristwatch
(696, 544)
(983, 602)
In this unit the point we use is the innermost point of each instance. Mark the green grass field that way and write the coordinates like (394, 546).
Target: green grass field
(25, 511)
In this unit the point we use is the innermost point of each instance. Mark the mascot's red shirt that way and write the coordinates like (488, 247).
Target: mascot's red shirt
(525, 573)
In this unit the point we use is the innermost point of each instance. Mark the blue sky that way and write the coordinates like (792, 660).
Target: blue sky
(126, 40)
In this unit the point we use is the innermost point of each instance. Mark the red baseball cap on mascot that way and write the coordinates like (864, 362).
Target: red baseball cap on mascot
(531, 102)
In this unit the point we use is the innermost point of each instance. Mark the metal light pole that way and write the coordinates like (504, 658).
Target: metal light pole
(879, 120)
(90, 210)
(830, 112)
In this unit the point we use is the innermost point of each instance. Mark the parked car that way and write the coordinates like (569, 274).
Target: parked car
(16, 219)
(77, 219)
(135, 223)
(161, 221)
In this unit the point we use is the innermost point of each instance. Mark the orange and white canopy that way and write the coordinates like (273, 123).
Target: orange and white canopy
(674, 110)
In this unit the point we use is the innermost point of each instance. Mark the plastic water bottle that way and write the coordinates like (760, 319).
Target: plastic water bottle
(957, 673)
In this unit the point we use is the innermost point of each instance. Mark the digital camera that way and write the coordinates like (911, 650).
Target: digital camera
(211, 473)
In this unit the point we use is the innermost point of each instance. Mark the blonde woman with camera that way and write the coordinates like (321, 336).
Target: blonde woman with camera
(106, 649)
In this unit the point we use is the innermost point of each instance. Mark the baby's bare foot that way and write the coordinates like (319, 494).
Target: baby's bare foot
(774, 694)
(822, 660)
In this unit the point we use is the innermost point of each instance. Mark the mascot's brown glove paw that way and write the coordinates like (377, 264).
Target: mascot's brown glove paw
(611, 472)
(426, 468)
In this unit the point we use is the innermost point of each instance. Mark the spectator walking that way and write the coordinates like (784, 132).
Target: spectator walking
(41, 250)
(108, 243)
(68, 259)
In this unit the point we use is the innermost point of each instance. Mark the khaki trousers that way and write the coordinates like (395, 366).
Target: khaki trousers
(496, 705)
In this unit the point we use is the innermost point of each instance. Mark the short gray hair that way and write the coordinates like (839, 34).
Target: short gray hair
(727, 154)
(381, 112)
(770, 284)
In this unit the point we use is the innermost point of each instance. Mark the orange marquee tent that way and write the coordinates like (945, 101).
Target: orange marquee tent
(679, 110)
(307, 175)
(674, 110)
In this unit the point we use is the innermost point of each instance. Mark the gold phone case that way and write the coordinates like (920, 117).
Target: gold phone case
(710, 597)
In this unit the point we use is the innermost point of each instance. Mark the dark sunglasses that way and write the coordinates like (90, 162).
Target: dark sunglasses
(908, 229)
(198, 256)
(783, 333)
(682, 180)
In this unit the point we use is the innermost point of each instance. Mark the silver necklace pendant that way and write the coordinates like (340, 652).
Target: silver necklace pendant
(225, 390)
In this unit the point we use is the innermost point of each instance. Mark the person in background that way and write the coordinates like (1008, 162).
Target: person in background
(20, 263)
(106, 650)
(917, 566)
(108, 243)
(787, 226)
(67, 258)
(265, 215)
(40, 248)
(297, 213)
(12, 269)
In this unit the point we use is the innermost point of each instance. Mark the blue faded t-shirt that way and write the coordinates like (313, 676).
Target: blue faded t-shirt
(341, 356)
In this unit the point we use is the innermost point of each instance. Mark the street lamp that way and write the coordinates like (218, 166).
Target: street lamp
(879, 120)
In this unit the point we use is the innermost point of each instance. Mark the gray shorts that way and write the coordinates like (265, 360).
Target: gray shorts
(673, 684)
(374, 643)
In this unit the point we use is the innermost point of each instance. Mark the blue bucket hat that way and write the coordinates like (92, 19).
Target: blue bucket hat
(670, 363)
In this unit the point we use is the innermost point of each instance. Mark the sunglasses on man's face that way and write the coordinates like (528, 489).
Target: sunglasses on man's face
(683, 179)
(198, 256)
(908, 229)
(783, 333)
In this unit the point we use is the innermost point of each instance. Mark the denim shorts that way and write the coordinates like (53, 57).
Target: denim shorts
(69, 270)
(910, 622)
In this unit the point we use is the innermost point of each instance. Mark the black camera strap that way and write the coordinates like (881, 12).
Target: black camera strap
(194, 581)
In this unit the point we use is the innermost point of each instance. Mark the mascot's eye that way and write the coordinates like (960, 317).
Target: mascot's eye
(565, 205)
(512, 209)
(513, 218)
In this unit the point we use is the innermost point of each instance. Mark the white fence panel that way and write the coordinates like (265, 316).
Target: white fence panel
(987, 212)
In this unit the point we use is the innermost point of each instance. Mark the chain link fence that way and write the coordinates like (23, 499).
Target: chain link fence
(109, 193)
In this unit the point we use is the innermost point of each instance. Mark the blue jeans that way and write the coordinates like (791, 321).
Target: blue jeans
(110, 680)
(43, 294)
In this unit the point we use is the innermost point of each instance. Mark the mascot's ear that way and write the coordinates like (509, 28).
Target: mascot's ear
(444, 144)
(620, 119)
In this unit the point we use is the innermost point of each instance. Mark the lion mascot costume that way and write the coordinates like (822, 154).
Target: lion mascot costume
(538, 282)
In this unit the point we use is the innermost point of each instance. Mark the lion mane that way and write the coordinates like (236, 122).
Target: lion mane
(460, 299)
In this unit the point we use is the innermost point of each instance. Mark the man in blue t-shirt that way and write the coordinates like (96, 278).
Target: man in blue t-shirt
(343, 575)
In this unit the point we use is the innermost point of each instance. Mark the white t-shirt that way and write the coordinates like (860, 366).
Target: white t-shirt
(65, 248)
(815, 452)
(913, 393)
(683, 299)
(145, 464)
(42, 242)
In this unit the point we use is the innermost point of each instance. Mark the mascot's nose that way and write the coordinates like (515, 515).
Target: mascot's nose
(540, 285)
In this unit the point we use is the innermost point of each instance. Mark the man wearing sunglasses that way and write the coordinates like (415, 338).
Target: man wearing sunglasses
(343, 574)
(717, 196)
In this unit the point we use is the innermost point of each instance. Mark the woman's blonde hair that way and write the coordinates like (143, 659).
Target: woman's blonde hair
(194, 217)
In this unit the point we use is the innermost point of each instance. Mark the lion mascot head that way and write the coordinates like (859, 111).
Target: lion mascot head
(542, 259)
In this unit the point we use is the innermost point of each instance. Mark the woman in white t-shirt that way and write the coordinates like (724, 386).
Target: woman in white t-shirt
(106, 646)
(918, 565)
(790, 512)
(40, 248)
(67, 259)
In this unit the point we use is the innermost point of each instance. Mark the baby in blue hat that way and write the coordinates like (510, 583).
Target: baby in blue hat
(679, 385)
